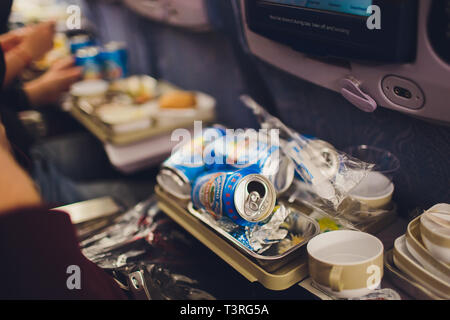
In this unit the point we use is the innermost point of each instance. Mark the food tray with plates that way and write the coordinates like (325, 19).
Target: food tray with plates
(136, 108)
(276, 271)
(275, 274)
(404, 282)
(415, 245)
(408, 265)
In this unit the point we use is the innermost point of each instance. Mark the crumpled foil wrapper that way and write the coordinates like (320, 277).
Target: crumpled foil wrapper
(258, 237)
(262, 236)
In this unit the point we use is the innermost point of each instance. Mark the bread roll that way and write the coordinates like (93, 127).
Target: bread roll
(178, 100)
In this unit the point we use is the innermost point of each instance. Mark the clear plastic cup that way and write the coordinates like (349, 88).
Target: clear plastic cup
(376, 188)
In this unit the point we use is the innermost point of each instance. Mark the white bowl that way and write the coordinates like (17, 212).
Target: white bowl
(375, 190)
(435, 237)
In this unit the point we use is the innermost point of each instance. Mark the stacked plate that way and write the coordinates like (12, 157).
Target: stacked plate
(423, 253)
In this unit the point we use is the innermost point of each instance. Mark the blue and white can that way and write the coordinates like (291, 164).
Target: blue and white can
(244, 196)
(186, 163)
(89, 59)
(229, 153)
(114, 60)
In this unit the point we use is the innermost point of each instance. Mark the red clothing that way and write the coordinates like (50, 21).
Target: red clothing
(36, 247)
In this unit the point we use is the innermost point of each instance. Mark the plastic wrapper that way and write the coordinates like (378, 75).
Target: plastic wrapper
(350, 214)
(380, 294)
(331, 177)
(144, 239)
(162, 283)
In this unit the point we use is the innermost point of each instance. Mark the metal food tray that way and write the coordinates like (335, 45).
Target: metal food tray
(278, 274)
(315, 230)
(106, 134)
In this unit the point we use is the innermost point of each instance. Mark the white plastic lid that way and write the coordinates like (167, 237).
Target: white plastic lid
(374, 186)
(89, 88)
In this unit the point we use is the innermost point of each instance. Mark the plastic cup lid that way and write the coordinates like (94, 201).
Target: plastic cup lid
(89, 88)
(374, 186)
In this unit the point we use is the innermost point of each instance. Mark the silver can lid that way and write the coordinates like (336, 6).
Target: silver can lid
(254, 197)
(173, 183)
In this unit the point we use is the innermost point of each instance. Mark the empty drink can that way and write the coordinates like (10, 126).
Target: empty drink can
(235, 152)
(186, 163)
(114, 60)
(79, 41)
(243, 196)
(89, 59)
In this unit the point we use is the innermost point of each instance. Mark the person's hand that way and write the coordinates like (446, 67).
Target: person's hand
(38, 40)
(10, 40)
(48, 88)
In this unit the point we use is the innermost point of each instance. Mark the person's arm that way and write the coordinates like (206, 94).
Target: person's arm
(16, 187)
(41, 259)
(40, 256)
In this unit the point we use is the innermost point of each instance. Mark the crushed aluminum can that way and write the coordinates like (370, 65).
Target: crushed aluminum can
(232, 152)
(186, 164)
(245, 196)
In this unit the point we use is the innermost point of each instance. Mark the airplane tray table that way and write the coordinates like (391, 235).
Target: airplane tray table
(277, 274)
(274, 275)
(105, 133)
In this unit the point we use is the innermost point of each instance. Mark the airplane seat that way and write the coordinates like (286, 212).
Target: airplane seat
(201, 61)
(421, 147)
(116, 22)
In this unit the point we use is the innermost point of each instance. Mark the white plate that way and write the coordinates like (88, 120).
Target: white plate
(89, 88)
(115, 114)
(416, 271)
(424, 263)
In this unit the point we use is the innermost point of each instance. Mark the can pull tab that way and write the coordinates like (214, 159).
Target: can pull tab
(255, 202)
(350, 90)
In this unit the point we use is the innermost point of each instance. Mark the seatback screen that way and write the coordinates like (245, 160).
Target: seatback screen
(355, 7)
